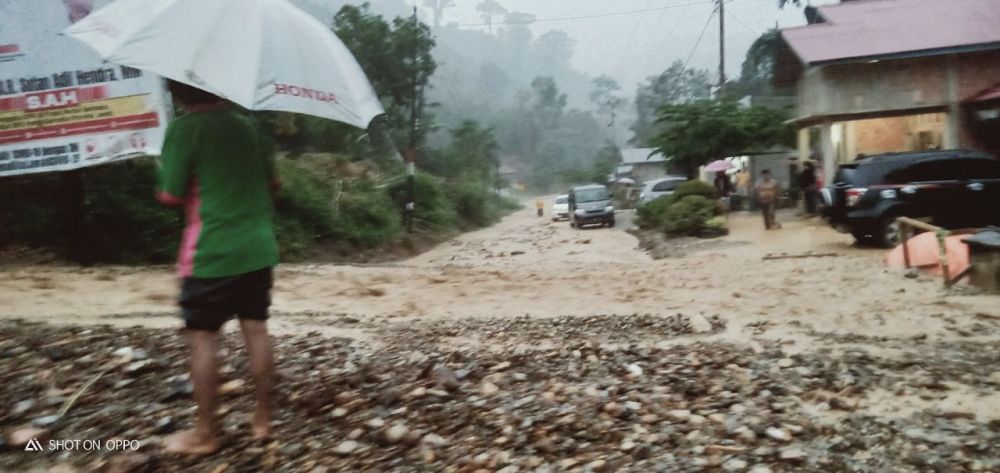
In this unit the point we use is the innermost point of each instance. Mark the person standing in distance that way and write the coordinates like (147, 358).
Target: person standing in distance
(768, 191)
(217, 166)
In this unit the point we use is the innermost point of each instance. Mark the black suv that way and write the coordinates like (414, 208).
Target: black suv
(953, 188)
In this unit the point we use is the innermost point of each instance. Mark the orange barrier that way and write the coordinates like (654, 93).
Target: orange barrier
(925, 253)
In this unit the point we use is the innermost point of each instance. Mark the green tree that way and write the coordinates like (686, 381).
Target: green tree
(547, 109)
(607, 98)
(471, 155)
(758, 67)
(699, 132)
(555, 49)
(675, 85)
(396, 56)
(489, 10)
(604, 163)
(493, 83)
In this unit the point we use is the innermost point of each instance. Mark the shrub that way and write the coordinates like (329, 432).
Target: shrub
(688, 216)
(135, 228)
(367, 217)
(694, 187)
(121, 222)
(478, 205)
(303, 214)
(433, 210)
(650, 215)
(364, 215)
(473, 204)
(716, 223)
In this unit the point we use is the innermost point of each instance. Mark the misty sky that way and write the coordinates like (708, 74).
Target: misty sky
(631, 47)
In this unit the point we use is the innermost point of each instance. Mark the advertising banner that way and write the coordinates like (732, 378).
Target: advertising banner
(61, 106)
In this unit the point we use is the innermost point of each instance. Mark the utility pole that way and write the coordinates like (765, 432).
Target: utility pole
(411, 152)
(722, 45)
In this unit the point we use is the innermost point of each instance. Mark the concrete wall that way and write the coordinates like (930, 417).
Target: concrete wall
(930, 86)
(892, 134)
(894, 84)
(644, 172)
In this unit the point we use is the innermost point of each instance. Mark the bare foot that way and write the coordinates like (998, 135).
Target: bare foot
(190, 442)
(261, 425)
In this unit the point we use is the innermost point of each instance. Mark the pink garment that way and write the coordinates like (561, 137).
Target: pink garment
(189, 242)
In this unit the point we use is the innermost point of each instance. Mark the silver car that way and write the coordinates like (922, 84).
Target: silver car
(661, 187)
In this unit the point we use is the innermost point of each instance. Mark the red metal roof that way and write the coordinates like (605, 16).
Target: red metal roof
(988, 95)
(885, 28)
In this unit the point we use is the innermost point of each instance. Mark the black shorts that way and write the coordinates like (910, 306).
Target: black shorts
(207, 303)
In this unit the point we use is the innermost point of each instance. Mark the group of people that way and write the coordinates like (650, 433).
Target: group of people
(768, 191)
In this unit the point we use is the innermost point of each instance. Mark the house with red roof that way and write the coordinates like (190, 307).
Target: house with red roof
(875, 76)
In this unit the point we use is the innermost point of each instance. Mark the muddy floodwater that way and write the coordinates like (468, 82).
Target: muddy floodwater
(532, 346)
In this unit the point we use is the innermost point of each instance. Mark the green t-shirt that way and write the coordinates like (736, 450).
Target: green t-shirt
(216, 165)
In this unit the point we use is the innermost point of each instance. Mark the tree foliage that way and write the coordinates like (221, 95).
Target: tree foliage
(607, 99)
(556, 50)
(396, 56)
(758, 67)
(488, 9)
(699, 132)
(471, 155)
(676, 85)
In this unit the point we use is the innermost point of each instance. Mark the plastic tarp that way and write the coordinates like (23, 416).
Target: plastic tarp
(925, 254)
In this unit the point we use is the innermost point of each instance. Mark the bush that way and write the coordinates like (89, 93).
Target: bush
(716, 223)
(364, 216)
(122, 223)
(478, 205)
(699, 188)
(303, 214)
(688, 216)
(433, 210)
(650, 215)
(136, 228)
(367, 217)
(473, 204)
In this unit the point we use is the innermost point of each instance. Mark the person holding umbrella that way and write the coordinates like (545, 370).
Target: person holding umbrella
(215, 164)
(260, 55)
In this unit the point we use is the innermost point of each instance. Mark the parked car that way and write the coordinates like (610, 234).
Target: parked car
(590, 205)
(560, 207)
(661, 187)
(953, 189)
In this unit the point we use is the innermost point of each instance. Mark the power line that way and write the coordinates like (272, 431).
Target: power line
(700, 36)
(673, 31)
(631, 51)
(748, 27)
(584, 17)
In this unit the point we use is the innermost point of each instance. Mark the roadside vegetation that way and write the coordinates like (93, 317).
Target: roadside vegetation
(489, 116)
(344, 190)
(691, 211)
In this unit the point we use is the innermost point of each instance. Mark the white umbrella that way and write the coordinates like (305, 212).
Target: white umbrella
(260, 54)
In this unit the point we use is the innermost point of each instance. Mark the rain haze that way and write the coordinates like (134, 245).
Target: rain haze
(629, 40)
(501, 236)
